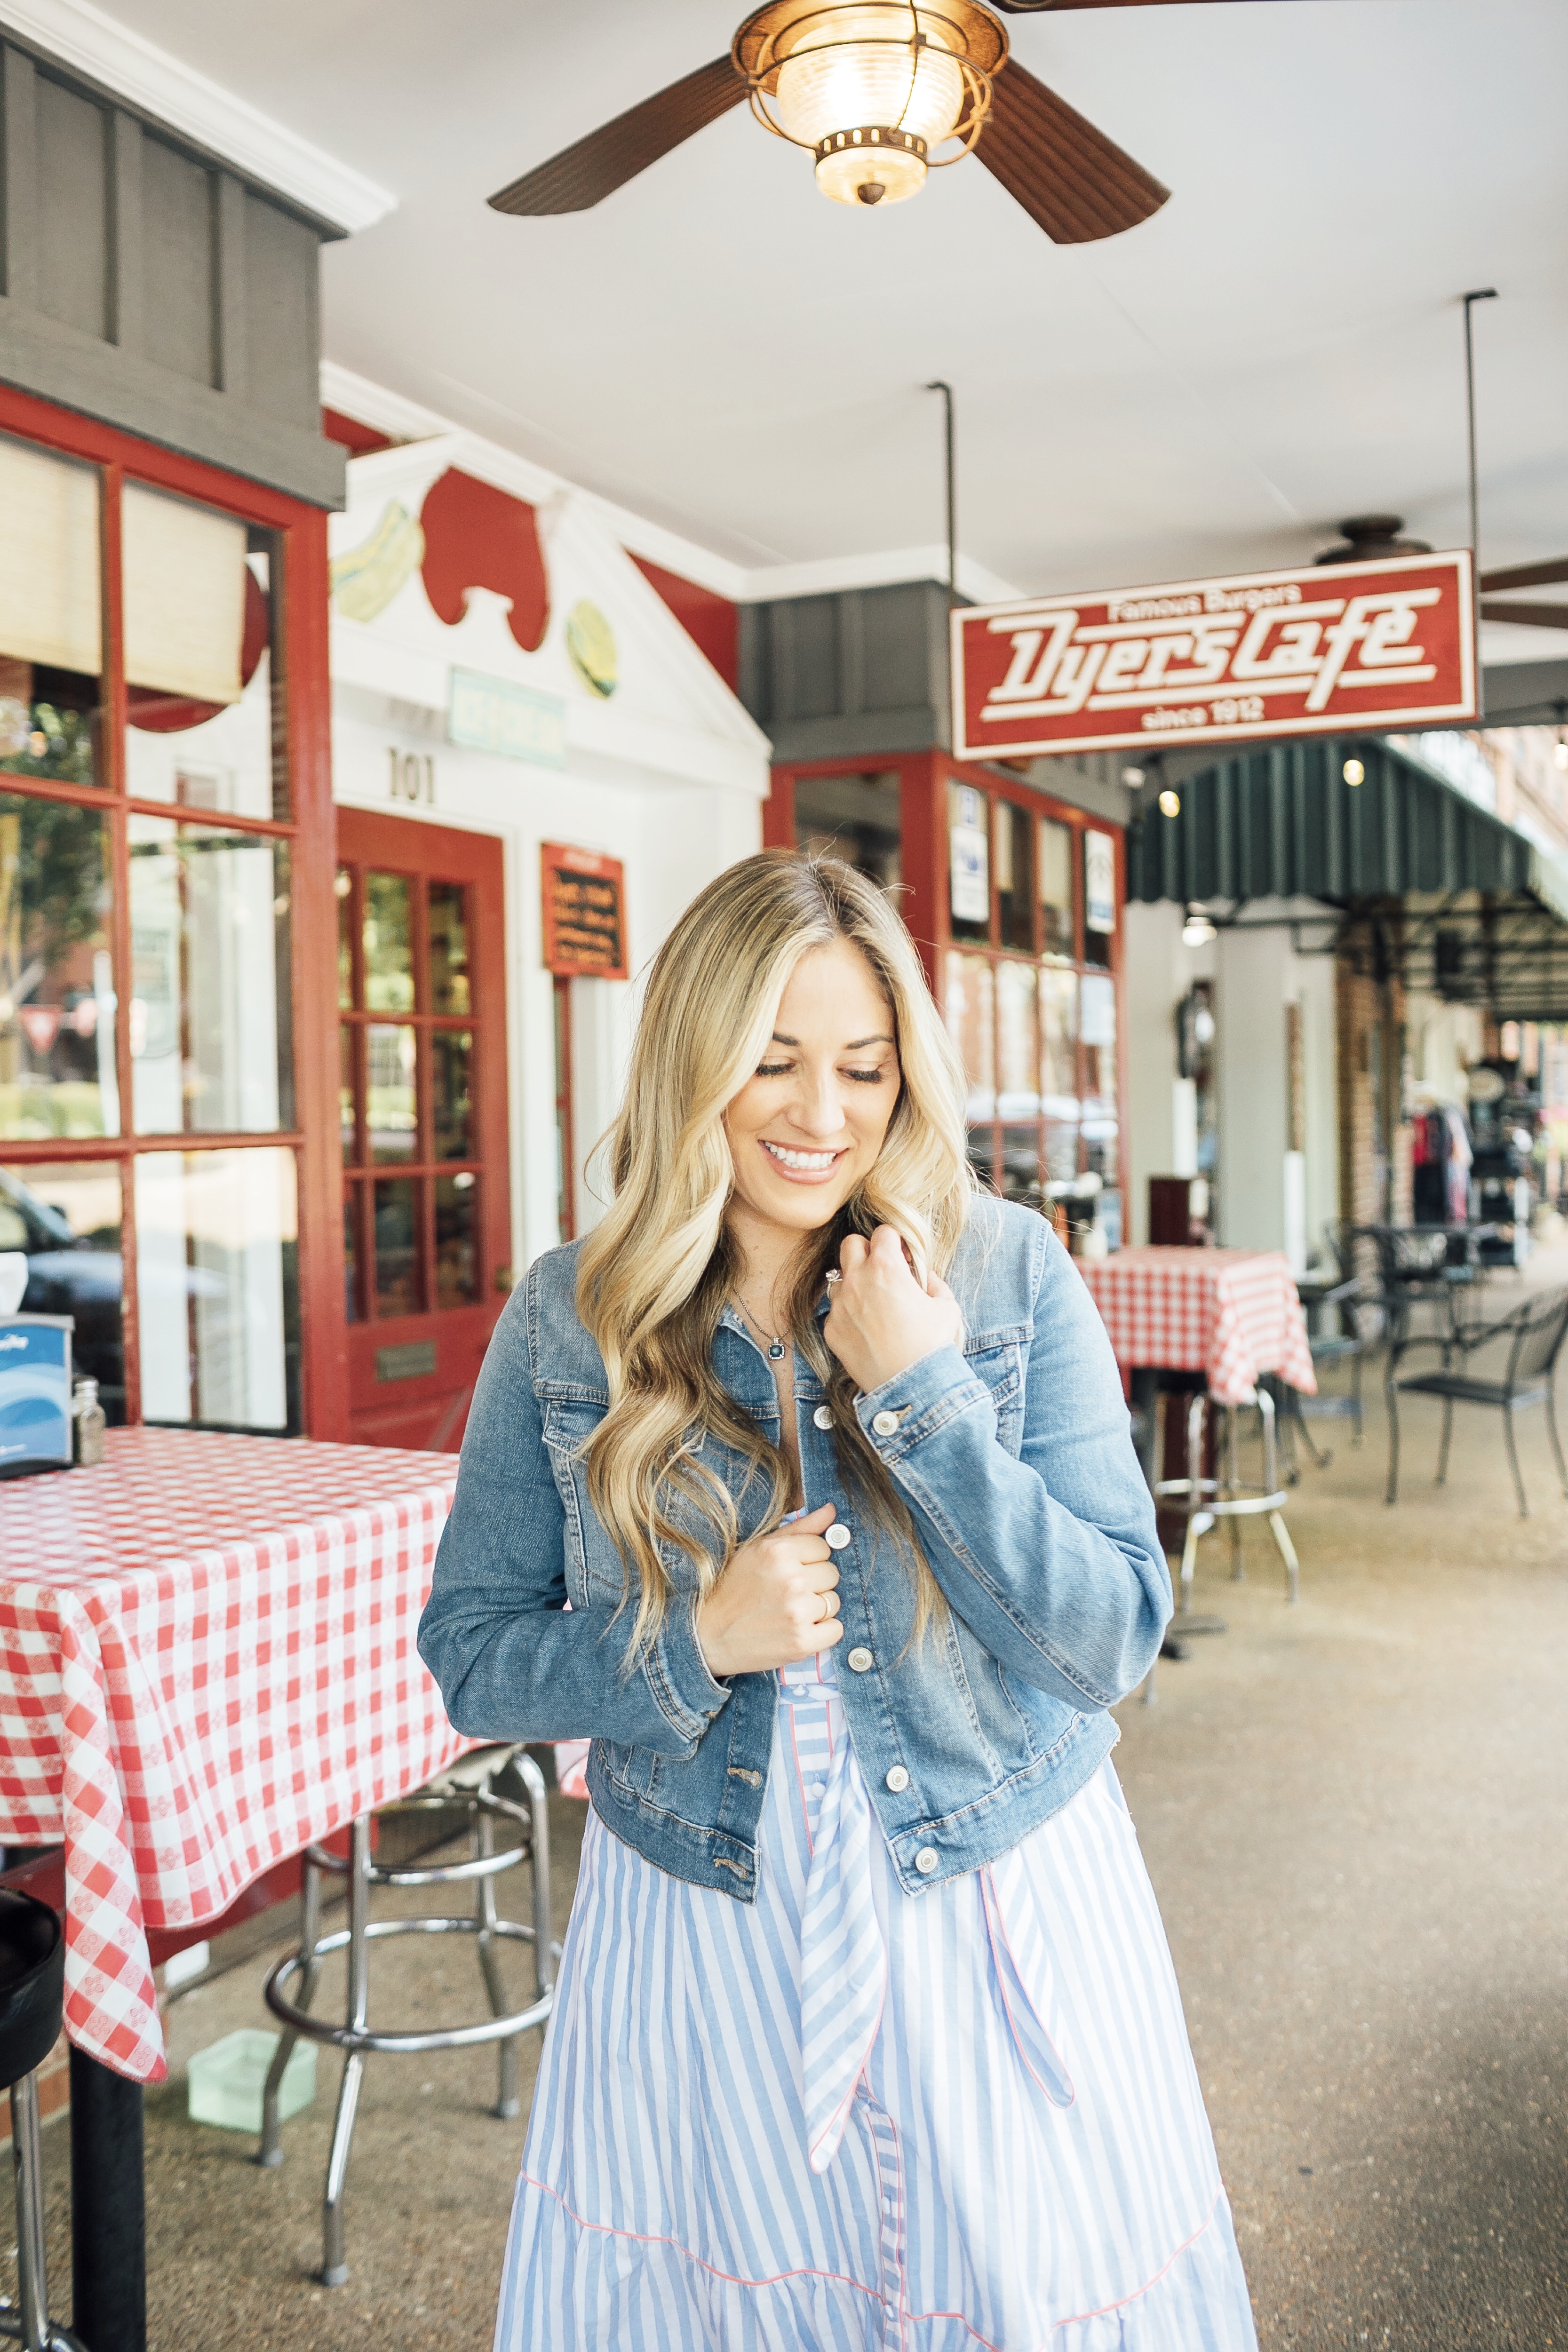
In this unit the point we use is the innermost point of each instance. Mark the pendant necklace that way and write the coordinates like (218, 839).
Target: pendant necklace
(776, 1345)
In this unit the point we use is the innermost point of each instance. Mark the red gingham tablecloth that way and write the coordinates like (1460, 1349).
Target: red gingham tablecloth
(1231, 1313)
(206, 1661)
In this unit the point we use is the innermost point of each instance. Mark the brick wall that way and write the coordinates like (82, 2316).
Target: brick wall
(1370, 1023)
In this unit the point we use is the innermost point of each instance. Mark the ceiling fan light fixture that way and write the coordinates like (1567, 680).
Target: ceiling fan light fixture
(871, 87)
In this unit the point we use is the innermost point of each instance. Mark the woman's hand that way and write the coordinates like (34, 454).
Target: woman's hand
(775, 1601)
(881, 1321)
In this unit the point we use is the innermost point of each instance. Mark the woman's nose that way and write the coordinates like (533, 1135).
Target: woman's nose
(818, 1108)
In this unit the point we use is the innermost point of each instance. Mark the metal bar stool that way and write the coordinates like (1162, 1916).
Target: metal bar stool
(468, 1787)
(1209, 1500)
(32, 1994)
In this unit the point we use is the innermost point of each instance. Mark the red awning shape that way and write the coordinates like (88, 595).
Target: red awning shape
(480, 537)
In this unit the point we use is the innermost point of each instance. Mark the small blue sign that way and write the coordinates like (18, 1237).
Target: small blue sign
(35, 1393)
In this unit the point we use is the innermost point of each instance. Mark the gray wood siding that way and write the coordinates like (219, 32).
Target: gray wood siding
(145, 285)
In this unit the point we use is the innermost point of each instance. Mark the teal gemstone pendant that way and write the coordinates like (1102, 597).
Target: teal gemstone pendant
(777, 1349)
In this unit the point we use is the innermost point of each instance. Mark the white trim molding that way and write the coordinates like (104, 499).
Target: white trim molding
(172, 92)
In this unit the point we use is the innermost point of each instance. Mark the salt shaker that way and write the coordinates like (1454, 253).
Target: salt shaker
(90, 1423)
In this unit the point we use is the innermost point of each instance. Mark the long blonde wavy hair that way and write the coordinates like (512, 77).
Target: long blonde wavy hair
(655, 1274)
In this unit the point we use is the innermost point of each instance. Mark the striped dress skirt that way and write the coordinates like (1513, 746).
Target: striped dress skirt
(844, 2118)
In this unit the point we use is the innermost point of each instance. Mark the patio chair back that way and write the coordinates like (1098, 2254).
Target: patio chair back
(1540, 1327)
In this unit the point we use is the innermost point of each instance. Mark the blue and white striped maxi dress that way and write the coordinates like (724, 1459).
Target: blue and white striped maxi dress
(845, 2117)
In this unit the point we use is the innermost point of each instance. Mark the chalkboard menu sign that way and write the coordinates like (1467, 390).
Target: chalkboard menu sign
(584, 914)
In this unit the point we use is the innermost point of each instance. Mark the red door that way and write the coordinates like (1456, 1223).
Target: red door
(423, 1089)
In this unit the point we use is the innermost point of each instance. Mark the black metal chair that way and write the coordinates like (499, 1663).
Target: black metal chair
(32, 1992)
(1536, 1333)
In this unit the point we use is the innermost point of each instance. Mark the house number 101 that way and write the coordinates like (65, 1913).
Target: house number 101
(413, 776)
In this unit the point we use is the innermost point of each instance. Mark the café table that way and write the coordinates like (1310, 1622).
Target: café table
(207, 1661)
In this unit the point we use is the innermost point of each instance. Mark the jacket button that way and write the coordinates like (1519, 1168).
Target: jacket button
(926, 1860)
(898, 1780)
(860, 1662)
(837, 1536)
(822, 1417)
(885, 1423)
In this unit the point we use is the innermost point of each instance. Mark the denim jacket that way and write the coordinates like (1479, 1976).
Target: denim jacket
(1015, 1459)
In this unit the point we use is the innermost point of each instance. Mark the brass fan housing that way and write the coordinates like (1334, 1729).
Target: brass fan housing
(872, 87)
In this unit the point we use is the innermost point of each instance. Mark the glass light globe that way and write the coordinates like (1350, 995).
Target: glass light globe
(854, 69)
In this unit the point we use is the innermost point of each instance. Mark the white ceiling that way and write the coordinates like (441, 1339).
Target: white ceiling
(722, 350)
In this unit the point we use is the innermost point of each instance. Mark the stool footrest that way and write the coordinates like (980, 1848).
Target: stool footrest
(360, 2037)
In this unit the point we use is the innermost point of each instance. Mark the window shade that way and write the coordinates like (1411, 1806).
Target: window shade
(50, 604)
(183, 574)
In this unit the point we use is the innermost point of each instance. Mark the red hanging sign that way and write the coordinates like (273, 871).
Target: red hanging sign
(1334, 649)
(584, 914)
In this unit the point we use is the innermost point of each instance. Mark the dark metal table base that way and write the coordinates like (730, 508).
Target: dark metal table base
(109, 2213)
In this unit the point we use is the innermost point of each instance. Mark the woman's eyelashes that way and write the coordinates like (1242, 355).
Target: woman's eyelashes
(784, 1069)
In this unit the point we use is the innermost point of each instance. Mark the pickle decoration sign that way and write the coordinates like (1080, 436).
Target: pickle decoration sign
(584, 913)
(1330, 649)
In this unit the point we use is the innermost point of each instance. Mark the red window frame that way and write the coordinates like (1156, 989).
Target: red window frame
(309, 832)
(923, 781)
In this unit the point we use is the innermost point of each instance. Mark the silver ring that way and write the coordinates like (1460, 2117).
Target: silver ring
(834, 1277)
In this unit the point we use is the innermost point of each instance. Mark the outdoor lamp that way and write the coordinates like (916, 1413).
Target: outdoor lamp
(1197, 930)
(1170, 803)
(872, 87)
(1353, 773)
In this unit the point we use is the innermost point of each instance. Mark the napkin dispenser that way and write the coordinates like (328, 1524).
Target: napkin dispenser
(35, 1393)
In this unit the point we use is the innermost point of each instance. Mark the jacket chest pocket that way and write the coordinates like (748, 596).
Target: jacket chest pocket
(1000, 1364)
(594, 1572)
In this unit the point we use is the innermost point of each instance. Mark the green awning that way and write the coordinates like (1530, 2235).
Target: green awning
(1460, 904)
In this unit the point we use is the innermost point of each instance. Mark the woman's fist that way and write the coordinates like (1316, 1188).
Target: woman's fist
(775, 1601)
(882, 1321)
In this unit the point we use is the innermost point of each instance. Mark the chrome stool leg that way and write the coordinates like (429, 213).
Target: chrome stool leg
(270, 2152)
(32, 2326)
(334, 2267)
(484, 1805)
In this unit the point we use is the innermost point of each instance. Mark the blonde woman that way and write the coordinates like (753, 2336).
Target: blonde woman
(866, 2032)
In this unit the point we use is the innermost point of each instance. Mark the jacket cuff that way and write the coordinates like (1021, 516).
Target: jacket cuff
(921, 1400)
(679, 1670)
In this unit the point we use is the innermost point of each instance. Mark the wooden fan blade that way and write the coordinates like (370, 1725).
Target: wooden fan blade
(1072, 181)
(1528, 617)
(593, 169)
(1529, 575)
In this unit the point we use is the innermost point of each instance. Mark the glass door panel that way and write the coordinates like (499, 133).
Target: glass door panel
(424, 1095)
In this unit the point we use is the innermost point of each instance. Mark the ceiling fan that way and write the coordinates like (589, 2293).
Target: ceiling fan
(1545, 615)
(874, 89)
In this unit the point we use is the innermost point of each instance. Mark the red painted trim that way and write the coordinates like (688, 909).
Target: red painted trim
(102, 445)
(359, 440)
(712, 622)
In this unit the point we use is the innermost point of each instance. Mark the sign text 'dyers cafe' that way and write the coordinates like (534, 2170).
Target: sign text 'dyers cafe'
(1333, 649)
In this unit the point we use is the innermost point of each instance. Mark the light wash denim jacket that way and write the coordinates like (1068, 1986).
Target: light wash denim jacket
(1015, 1459)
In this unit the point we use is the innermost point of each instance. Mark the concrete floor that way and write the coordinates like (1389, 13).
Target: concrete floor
(1353, 1813)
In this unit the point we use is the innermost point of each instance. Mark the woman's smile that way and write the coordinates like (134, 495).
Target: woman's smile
(801, 1167)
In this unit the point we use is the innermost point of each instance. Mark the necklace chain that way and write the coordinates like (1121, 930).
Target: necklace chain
(775, 1344)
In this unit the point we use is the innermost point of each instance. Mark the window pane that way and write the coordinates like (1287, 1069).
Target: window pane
(1014, 835)
(1055, 887)
(50, 599)
(347, 1128)
(1061, 1156)
(449, 948)
(982, 1154)
(390, 1101)
(457, 1226)
(1099, 898)
(968, 999)
(56, 989)
(857, 818)
(218, 1289)
(451, 1057)
(1100, 1106)
(67, 1219)
(1017, 1051)
(1020, 1179)
(398, 1289)
(343, 888)
(969, 863)
(210, 1028)
(351, 1252)
(1058, 1043)
(388, 944)
(205, 726)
